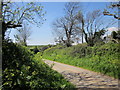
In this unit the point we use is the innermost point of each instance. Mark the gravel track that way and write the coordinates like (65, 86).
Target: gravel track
(83, 78)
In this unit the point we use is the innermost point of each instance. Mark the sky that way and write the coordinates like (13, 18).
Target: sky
(43, 35)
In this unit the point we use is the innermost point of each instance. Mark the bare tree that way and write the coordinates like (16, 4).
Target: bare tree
(66, 26)
(92, 23)
(81, 21)
(23, 35)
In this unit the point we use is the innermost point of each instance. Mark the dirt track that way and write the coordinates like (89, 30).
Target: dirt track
(83, 78)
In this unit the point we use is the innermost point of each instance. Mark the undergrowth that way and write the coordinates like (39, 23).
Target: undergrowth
(100, 58)
(24, 71)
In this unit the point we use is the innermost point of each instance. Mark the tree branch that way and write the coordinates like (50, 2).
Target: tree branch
(111, 15)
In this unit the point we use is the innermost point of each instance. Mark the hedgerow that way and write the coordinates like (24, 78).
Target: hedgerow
(26, 71)
(100, 58)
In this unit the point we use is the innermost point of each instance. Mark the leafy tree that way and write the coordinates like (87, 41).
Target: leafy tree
(114, 35)
(97, 36)
(15, 13)
(23, 35)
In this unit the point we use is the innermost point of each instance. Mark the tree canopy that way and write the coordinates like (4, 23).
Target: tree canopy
(15, 13)
(76, 23)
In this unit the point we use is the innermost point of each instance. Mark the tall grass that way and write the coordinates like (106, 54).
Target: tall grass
(99, 58)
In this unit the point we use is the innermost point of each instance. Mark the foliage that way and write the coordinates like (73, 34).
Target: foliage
(22, 70)
(114, 34)
(15, 13)
(39, 48)
(102, 58)
(35, 50)
(97, 36)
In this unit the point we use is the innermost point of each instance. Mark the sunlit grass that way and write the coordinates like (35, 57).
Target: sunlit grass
(102, 58)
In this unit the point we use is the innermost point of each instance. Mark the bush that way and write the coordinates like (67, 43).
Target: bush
(22, 70)
(102, 58)
(35, 50)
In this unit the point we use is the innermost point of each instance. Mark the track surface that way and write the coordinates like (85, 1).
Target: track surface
(83, 78)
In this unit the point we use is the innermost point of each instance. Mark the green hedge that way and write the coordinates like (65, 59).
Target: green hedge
(22, 70)
(100, 58)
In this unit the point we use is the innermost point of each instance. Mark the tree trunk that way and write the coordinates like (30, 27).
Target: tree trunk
(86, 38)
(68, 40)
(82, 37)
(4, 28)
(0, 21)
(68, 43)
(24, 42)
(82, 29)
(7, 25)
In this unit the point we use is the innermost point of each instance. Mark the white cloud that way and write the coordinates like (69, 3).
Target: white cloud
(112, 29)
(109, 30)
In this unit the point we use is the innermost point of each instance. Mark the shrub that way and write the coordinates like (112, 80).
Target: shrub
(22, 70)
(102, 58)
(35, 50)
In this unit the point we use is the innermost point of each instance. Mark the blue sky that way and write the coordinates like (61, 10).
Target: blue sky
(43, 35)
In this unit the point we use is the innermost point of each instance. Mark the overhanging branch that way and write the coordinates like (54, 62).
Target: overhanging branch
(112, 15)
